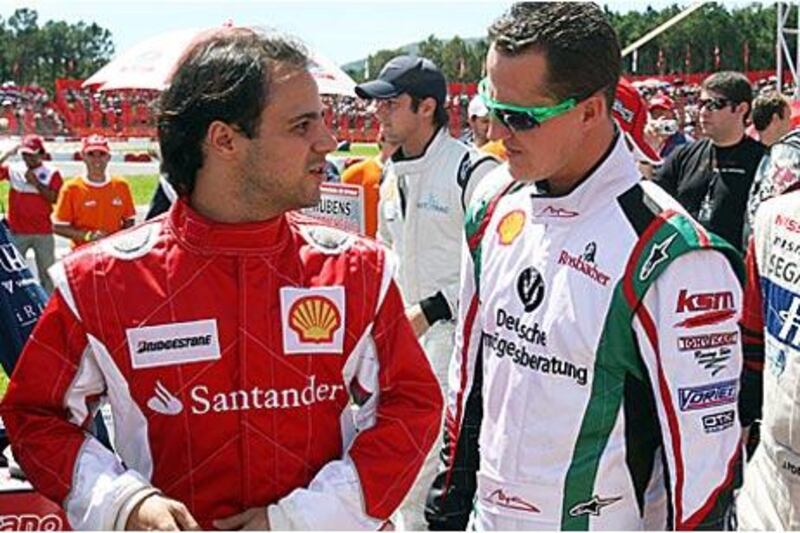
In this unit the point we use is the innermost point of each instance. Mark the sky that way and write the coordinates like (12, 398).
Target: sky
(342, 31)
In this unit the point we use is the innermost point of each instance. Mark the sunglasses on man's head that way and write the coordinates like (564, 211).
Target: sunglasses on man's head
(521, 118)
(714, 104)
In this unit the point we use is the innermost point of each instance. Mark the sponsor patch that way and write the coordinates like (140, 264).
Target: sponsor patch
(783, 315)
(499, 498)
(707, 396)
(556, 212)
(706, 319)
(511, 226)
(172, 344)
(11, 259)
(594, 506)
(708, 341)
(713, 360)
(704, 301)
(658, 254)
(716, 422)
(530, 289)
(313, 320)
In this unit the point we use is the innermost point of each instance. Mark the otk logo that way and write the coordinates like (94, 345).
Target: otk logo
(511, 226)
(313, 319)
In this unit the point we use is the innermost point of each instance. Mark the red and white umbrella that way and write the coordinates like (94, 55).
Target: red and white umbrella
(149, 64)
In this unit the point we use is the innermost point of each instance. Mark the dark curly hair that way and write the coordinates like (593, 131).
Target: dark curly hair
(580, 45)
(226, 76)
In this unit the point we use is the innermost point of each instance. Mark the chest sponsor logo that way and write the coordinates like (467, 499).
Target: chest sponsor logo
(511, 226)
(499, 498)
(90, 203)
(313, 320)
(164, 402)
(776, 359)
(432, 203)
(10, 259)
(785, 244)
(530, 289)
(707, 396)
(594, 506)
(713, 360)
(585, 263)
(789, 223)
(521, 353)
(658, 254)
(117, 201)
(791, 467)
(172, 344)
(708, 341)
(556, 212)
(530, 334)
(31, 522)
(204, 400)
(716, 422)
(782, 269)
(786, 325)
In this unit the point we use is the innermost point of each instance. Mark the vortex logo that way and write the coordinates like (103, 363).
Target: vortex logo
(315, 319)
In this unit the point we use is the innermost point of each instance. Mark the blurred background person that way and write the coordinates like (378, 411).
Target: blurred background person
(95, 205)
(664, 129)
(367, 174)
(712, 177)
(34, 189)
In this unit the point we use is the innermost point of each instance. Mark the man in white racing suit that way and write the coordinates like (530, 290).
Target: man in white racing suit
(597, 361)
(426, 185)
(770, 498)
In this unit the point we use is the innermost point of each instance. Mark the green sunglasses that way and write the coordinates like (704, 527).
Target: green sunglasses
(521, 118)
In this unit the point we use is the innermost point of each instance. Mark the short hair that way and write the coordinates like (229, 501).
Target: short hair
(440, 117)
(766, 106)
(226, 77)
(732, 85)
(579, 44)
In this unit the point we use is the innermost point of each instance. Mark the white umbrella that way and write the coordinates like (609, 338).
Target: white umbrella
(149, 64)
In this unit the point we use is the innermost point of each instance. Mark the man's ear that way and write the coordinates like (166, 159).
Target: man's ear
(222, 140)
(594, 109)
(427, 107)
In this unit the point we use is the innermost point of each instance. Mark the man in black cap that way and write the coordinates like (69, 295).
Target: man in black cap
(426, 187)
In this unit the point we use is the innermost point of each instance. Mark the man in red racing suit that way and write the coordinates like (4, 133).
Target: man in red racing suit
(260, 374)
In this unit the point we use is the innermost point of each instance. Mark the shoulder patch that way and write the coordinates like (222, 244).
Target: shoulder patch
(464, 170)
(131, 244)
(326, 239)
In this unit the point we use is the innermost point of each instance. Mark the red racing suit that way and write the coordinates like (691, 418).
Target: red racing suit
(264, 364)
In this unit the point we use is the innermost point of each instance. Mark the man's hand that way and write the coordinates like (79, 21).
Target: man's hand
(30, 177)
(418, 321)
(253, 519)
(157, 512)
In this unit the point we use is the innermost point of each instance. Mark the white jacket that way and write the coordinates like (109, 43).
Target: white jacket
(424, 224)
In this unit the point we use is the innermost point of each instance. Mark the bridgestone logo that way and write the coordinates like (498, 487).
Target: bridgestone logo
(711, 340)
(173, 344)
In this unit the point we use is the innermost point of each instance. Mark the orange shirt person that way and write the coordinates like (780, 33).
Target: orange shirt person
(367, 173)
(93, 206)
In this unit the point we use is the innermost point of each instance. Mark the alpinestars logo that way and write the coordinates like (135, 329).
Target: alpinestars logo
(530, 288)
(658, 254)
(594, 506)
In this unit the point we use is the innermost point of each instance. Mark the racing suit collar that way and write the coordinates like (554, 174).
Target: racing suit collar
(613, 175)
(207, 236)
(431, 149)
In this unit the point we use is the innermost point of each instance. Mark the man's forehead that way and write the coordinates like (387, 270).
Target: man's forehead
(520, 78)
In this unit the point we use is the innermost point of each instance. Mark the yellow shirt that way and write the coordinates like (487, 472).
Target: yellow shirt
(93, 206)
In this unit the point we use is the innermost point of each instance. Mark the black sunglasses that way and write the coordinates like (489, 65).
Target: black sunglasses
(715, 104)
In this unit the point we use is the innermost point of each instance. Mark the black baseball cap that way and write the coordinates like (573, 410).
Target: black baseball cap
(415, 76)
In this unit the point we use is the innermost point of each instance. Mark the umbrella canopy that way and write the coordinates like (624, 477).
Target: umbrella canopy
(149, 64)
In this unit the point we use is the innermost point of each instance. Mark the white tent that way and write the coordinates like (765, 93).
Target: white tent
(149, 64)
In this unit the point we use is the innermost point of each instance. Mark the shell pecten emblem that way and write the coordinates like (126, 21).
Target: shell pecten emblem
(315, 319)
(511, 226)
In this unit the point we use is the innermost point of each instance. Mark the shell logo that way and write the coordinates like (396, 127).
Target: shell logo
(315, 319)
(511, 226)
